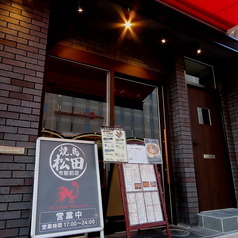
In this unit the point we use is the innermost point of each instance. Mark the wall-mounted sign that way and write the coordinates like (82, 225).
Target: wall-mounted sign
(90, 115)
(67, 195)
(114, 144)
(209, 156)
(12, 150)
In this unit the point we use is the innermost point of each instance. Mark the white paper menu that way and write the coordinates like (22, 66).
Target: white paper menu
(141, 208)
(132, 178)
(142, 194)
(114, 144)
(136, 154)
(148, 177)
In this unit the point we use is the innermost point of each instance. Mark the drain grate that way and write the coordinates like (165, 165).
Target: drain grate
(177, 233)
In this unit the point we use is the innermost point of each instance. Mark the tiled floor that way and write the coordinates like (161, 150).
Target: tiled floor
(176, 231)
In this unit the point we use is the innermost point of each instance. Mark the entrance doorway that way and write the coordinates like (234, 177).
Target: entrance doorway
(214, 183)
(139, 109)
(210, 160)
(80, 98)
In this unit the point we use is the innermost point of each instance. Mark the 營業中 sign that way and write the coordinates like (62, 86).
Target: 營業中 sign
(67, 195)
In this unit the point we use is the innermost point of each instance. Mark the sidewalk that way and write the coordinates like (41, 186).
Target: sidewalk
(176, 231)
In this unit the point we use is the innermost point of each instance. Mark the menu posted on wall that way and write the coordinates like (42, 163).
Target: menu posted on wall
(114, 144)
(142, 194)
(67, 195)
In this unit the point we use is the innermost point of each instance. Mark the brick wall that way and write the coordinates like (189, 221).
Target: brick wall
(229, 89)
(182, 154)
(23, 37)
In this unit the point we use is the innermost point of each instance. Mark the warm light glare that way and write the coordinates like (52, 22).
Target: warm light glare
(80, 10)
(128, 24)
(163, 41)
(199, 51)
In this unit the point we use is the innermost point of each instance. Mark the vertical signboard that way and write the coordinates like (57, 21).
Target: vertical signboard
(143, 202)
(67, 195)
(144, 205)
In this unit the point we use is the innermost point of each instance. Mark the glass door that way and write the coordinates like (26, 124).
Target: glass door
(137, 108)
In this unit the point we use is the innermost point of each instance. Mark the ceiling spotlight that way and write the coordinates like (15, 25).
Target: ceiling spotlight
(163, 41)
(80, 10)
(199, 51)
(128, 24)
(128, 19)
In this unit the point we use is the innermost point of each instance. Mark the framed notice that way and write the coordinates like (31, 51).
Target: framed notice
(67, 195)
(114, 144)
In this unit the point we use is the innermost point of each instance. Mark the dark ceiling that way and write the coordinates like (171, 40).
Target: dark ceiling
(151, 22)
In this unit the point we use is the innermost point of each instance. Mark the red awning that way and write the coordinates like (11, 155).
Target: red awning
(222, 14)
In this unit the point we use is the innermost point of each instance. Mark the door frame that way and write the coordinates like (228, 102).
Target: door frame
(226, 161)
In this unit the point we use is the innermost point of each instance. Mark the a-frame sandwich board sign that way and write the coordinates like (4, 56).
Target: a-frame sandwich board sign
(67, 193)
(142, 197)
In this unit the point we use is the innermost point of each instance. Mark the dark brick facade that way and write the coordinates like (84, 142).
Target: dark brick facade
(228, 88)
(181, 146)
(23, 37)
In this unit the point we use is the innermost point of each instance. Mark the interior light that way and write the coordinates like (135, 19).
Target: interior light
(163, 41)
(199, 51)
(128, 24)
(80, 10)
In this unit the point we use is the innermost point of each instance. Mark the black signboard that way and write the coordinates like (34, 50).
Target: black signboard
(67, 195)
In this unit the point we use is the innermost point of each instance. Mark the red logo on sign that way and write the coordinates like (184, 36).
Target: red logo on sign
(71, 194)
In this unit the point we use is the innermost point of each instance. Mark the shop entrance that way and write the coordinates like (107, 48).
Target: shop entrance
(80, 98)
(138, 108)
(214, 184)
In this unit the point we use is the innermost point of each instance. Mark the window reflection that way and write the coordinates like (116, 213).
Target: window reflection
(199, 73)
(70, 115)
(136, 108)
(204, 116)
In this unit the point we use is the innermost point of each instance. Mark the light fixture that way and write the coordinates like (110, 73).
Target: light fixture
(199, 51)
(195, 47)
(164, 35)
(80, 9)
(128, 24)
(128, 19)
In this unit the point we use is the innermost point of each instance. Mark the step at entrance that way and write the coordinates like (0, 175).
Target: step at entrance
(224, 220)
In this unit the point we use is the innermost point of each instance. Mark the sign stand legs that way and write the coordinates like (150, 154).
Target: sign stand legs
(141, 226)
(101, 234)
